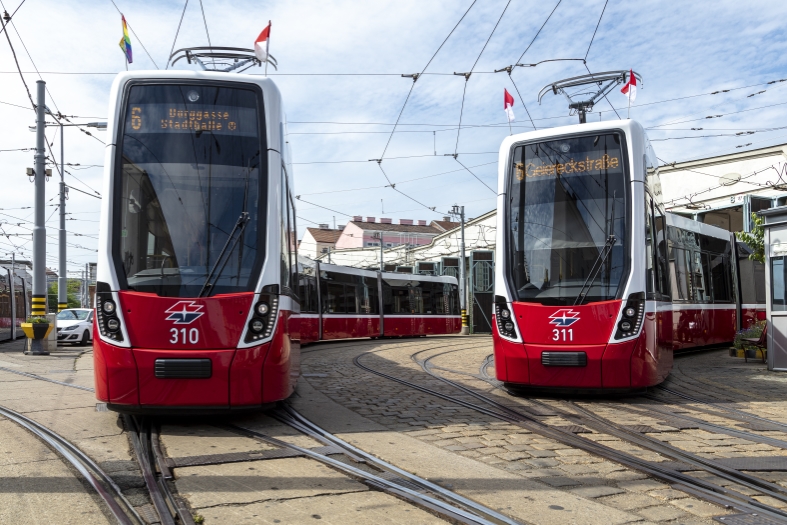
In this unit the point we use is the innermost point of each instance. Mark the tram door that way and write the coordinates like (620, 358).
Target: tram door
(482, 286)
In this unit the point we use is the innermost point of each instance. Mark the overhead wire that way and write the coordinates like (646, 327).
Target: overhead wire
(177, 32)
(467, 76)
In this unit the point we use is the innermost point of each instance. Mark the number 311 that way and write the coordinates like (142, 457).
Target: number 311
(563, 334)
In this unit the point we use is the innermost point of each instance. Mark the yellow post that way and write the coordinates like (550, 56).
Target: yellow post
(38, 306)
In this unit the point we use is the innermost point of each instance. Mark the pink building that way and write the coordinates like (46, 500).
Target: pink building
(360, 233)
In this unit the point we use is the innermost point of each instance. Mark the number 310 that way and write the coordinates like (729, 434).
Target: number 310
(563, 334)
(183, 336)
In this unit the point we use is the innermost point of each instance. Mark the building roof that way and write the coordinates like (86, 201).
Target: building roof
(322, 235)
(444, 225)
(395, 227)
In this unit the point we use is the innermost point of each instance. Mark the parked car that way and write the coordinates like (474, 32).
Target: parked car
(75, 325)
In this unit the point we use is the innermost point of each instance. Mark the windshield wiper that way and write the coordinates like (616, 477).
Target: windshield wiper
(240, 224)
(596, 268)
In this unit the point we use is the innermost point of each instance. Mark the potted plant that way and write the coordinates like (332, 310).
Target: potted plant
(37, 327)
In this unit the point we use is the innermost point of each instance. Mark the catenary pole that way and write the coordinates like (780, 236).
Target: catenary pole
(39, 229)
(462, 272)
(62, 280)
(38, 306)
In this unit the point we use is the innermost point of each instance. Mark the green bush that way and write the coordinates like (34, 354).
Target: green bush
(38, 320)
(753, 331)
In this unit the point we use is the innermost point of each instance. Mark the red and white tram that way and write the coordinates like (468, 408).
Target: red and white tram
(339, 302)
(199, 291)
(597, 286)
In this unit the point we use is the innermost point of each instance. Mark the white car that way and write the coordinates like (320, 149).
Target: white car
(75, 325)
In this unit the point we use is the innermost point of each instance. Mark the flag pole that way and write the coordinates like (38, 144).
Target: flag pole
(509, 127)
(267, 48)
(628, 96)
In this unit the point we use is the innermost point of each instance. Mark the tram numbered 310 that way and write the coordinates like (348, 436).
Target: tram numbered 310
(198, 285)
(596, 286)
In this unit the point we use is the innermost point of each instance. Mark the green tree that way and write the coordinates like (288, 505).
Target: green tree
(72, 294)
(755, 239)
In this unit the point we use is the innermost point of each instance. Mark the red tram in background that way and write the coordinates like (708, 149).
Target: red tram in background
(199, 291)
(339, 302)
(596, 286)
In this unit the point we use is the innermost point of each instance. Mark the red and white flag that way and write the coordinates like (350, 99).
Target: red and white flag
(508, 104)
(262, 43)
(630, 89)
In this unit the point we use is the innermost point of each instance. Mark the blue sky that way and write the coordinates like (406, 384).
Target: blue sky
(681, 49)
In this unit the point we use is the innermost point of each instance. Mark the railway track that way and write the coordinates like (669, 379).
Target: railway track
(168, 508)
(712, 492)
(378, 474)
(116, 503)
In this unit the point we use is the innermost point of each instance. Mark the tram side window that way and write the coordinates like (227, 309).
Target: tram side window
(663, 280)
(702, 293)
(308, 291)
(396, 299)
(720, 274)
(286, 263)
(333, 298)
(681, 287)
(370, 302)
(650, 277)
(432, 296)
(292, 245)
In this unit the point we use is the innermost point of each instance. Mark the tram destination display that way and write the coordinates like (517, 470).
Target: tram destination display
(176, 118)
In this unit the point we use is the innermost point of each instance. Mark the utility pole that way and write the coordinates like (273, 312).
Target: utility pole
(38, 307)
(62, 280)
(460, 211)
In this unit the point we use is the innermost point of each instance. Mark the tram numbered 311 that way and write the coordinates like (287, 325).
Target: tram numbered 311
(596, 286)
(198, 293)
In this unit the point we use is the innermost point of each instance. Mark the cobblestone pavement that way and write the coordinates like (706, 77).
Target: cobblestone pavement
(438, 423)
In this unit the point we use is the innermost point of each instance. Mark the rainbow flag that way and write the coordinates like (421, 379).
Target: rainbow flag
(125, 42)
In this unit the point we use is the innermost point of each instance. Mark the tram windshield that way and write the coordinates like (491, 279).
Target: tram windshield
(190, 193)
(567, 220)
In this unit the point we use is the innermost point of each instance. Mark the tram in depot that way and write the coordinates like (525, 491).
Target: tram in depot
(199, 291)
(596, 286)
(339, 302)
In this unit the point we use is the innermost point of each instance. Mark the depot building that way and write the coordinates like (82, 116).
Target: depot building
(724, 191)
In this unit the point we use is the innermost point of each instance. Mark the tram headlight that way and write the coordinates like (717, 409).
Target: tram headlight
(509, 326)
(113, 325)
(263, 308)
(624, 326)
(505, 314)
(108, 307)
(257, 325)
(630, 312)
